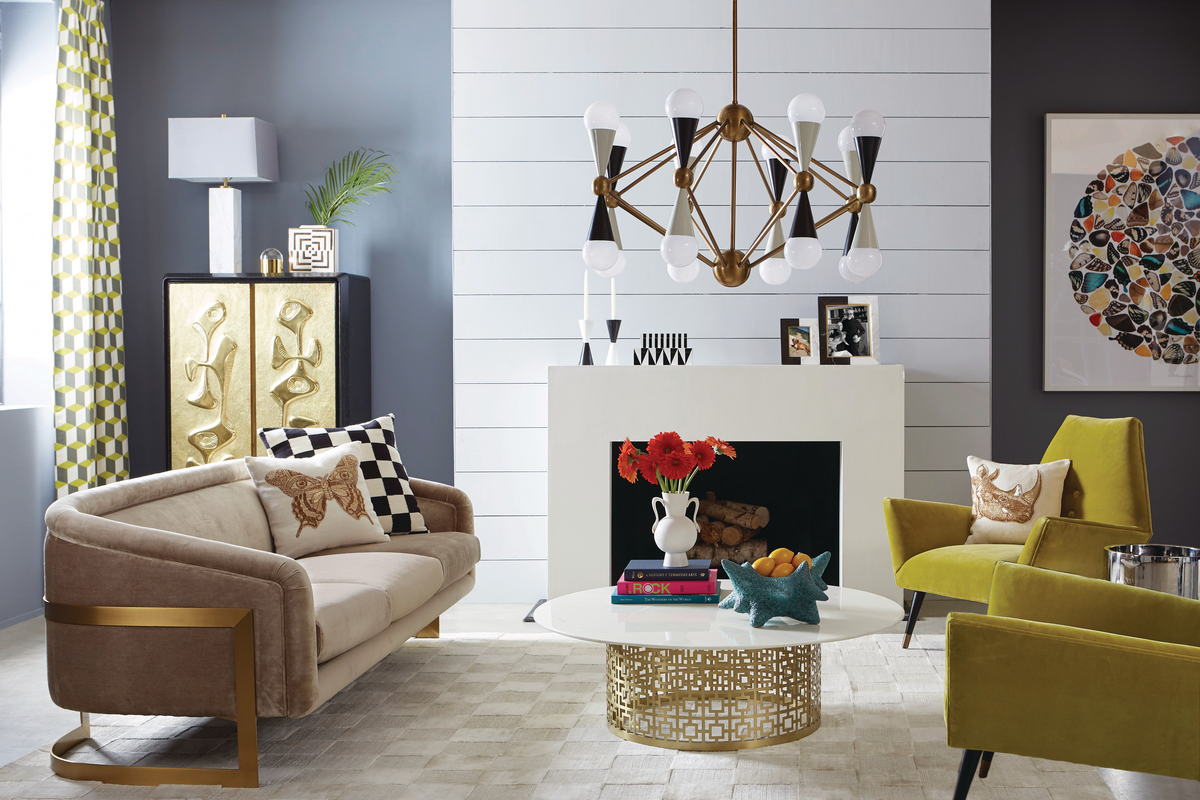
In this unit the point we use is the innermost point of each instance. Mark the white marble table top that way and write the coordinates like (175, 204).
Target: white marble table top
(592, 616)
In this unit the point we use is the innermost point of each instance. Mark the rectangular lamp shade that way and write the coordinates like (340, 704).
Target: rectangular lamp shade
(213, 149)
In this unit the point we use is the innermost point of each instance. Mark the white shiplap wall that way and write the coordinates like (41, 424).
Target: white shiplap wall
(523, 74)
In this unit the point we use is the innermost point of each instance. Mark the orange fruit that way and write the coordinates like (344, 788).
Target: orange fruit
(782, 555)
(800, 559)
(782, 570)
(764, 565)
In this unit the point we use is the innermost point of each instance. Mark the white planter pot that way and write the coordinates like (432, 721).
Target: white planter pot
(313, 248)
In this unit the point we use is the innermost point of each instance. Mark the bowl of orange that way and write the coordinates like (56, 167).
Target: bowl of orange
(780, 563)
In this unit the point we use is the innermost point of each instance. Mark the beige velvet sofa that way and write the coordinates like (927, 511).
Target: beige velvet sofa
(199, 539)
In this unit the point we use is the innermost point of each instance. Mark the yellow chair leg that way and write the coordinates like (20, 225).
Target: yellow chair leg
(431, 631)
(241, 620)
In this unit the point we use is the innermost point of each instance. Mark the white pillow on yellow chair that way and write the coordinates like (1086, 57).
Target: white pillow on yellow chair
(1007, 500)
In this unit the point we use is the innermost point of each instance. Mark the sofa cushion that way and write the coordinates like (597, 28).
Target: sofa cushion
(406, 580)
(347, 615)
(963, 571)
(227, 512)
(316, 503)
(457, 552)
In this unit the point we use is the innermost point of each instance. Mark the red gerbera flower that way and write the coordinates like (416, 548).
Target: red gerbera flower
(705, 457)
(645, 466)
(627, 462)
(722, 448)
(677, 465)
(667, 443)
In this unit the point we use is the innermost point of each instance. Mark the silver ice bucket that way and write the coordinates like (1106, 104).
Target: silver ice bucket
(1161, 567)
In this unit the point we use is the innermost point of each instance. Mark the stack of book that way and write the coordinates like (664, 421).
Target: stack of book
(648, 581)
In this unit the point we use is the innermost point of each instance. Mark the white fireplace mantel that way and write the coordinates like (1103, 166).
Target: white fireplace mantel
(591, 407)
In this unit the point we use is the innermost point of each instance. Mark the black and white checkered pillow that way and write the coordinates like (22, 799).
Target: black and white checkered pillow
(391, 495)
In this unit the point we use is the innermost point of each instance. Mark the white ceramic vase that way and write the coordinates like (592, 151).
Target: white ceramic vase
(674, 533)
(313, 248)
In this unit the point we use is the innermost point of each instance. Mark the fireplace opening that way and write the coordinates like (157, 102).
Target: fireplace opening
(798, 483)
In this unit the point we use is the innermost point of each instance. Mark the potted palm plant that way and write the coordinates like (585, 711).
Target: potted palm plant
(348, 183)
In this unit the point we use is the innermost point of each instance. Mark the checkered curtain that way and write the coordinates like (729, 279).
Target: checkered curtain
(89, 369)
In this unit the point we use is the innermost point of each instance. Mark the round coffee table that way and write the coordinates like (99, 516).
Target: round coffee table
(698, 677)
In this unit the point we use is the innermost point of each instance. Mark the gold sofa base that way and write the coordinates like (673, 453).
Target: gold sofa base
(241, 620)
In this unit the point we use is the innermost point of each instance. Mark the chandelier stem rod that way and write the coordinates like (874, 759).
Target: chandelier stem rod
(700, 177)
(761, 174)
(765, 256)
(754, 129)
(835, 214)
(657, 167)
(733, 190)
(704, 222)
(716, 137)
(835, 174)
(774, 218)
(735, 70)
(699, 229)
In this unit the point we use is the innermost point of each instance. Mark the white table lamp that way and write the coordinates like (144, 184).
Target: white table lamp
(220, 150)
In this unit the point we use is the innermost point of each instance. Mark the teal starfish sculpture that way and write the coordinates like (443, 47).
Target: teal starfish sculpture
(762, 598)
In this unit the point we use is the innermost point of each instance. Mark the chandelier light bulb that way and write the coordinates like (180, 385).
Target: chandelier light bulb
(600, 254)
(802, 252)
(864, 261)
(867, 123)
(616, 269)
(623, 137)
(846, 140)
(844, 271)
(685, 104)
(775, 271)
(684, 274)
(679, 251)
(806, 108)
(601, 116)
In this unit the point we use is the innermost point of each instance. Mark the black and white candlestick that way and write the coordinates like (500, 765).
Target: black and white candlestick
(614, 325)
(585, 327)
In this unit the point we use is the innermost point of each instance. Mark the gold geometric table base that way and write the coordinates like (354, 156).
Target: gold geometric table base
(713, 699)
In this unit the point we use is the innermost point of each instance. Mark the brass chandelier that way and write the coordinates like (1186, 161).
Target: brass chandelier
(859, 143)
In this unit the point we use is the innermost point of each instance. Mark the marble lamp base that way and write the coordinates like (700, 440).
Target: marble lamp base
(224, 229)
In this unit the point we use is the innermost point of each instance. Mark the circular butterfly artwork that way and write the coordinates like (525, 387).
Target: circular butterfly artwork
(1135, 250)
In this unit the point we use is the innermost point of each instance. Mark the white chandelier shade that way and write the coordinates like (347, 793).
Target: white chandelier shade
(687, 234)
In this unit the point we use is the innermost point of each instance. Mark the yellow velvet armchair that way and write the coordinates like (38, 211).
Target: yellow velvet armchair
(1071, 669)
(1105, 501)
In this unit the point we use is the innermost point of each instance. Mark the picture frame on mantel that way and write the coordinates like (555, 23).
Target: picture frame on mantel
(849, 329)
(1122, 253)
(798, 341)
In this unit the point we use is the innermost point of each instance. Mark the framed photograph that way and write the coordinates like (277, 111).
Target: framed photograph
(1121, 260)
(849, 329)
(797, 341)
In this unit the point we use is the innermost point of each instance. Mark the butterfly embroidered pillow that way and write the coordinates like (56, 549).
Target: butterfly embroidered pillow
(1007, 500)
(316, 503)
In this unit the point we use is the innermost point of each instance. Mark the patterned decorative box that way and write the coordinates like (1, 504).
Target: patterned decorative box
(313, 248)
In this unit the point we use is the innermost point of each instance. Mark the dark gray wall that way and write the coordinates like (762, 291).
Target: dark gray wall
(331, 76)
(1043, 61)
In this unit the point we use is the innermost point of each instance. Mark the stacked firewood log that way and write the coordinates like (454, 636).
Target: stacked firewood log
(728, 530)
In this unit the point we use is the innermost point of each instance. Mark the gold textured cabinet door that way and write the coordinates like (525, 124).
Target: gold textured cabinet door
(210, 373)
(295, 367)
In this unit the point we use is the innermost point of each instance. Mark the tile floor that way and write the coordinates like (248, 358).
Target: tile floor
(31, 719)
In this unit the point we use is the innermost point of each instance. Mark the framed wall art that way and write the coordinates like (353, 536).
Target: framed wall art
(798, 341)
(849, 329)
(1122, 259)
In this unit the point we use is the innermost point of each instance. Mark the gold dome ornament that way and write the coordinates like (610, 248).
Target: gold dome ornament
(687, 228)
(270, 262)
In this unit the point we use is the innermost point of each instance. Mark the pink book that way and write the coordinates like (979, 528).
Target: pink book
(669, 587)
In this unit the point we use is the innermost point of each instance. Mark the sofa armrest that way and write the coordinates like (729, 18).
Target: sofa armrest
(92, 561)
(1076, 545)
(1060, 598)
(916, 526)
(444, 507)
(1059, 693)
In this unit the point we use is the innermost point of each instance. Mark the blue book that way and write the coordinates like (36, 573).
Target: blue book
(649, 569)
(665, 599)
